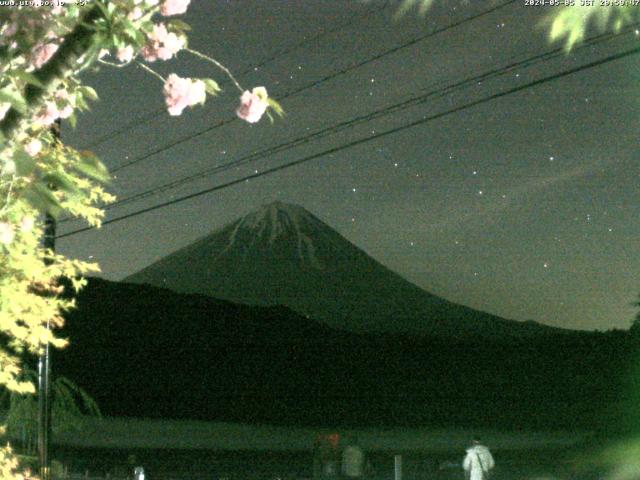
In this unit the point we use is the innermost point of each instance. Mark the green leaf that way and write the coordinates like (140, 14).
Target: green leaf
(112, 42)
(15, 99)
(41, 198)
(103, 8)
(81, 104)
(406, 5)
(25, 163)
(29, 78)
(179, 25)
(133, 33)
(77, 283)
(92, 167)
(276, 107)
(72, 10)
(118, 42)
(147, 26)
(571, 24)
(424, 7)
(60, 181)
(211, 86)
(72, 120)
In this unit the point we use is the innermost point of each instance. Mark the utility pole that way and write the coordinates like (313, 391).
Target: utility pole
(44, 361)
(44, 373)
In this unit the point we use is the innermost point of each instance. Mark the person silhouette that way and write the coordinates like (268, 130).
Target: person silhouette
(478, 462)
(353, 459)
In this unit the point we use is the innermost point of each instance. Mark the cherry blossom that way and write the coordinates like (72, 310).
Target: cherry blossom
(42, 53)
(63, 97)
(62, 106)
(182, 92)
(33, 147)
(253, 104)
(174, 7)
(125, 54)
(135, 14)
(47, 114)
(163, 44)
(32, 39)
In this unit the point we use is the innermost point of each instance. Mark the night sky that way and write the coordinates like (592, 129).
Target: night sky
(525, 206)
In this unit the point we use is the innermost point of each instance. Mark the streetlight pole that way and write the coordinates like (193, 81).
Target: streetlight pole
(44, 360)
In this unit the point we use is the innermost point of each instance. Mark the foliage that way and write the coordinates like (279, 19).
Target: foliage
(9, 468)
(406, 5)
(570, 25)
(44, 48)
(69, 404)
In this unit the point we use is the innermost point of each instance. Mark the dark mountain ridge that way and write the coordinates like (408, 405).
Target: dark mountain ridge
(149, 352)
(281, 254)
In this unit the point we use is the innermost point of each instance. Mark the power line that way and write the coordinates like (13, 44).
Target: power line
(404, 45)
(315, 83)
(354, 121)
(319, 134)
(360, 141)
(145, 118)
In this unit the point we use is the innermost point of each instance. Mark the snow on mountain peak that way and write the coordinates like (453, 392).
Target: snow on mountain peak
(279, 220)
(278, 217)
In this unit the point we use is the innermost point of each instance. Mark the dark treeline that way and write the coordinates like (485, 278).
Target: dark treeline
(147, 352)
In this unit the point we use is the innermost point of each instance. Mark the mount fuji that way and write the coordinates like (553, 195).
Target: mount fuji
(281, 254)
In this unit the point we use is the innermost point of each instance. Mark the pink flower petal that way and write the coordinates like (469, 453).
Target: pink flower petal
(174, 7)
(42, 54)
(252, 107)
(182, 92)
(33, 147)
